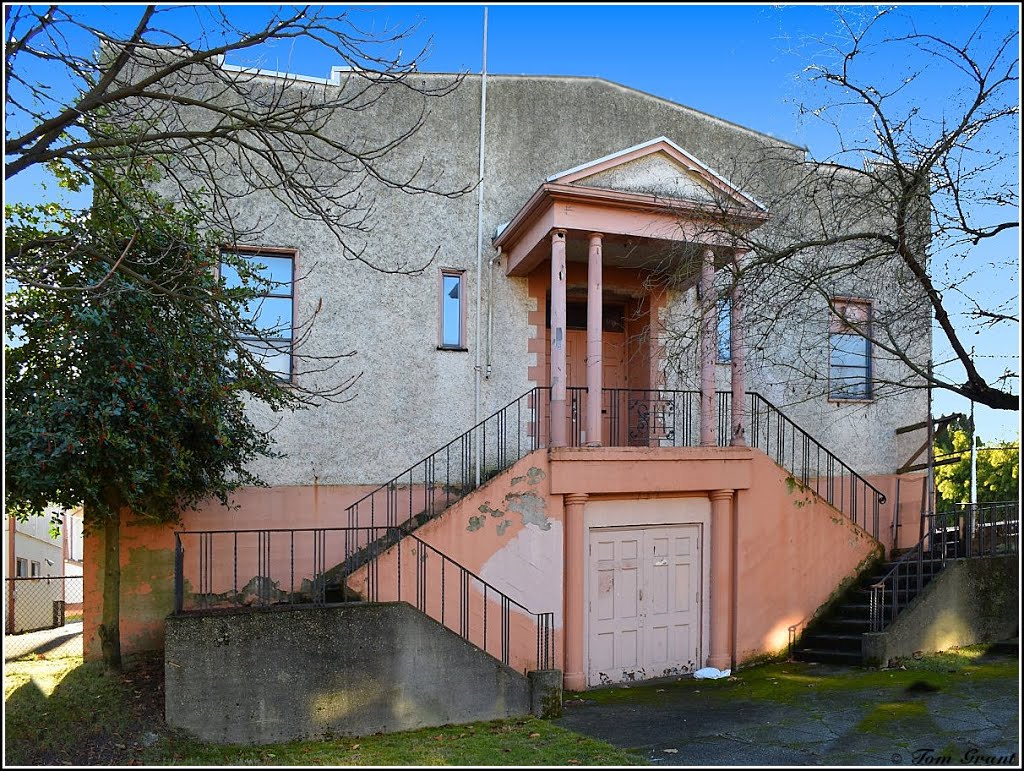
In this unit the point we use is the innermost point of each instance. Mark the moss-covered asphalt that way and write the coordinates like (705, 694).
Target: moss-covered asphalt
(962, 705)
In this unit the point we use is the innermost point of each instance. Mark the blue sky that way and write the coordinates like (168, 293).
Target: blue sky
(739, 62)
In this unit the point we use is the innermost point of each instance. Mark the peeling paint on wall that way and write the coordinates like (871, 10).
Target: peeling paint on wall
(530, 507)
(475, 523)
(503, 526)
(534, 477)
(485, 508)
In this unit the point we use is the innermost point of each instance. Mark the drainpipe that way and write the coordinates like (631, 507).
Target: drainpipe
(480, 243)
(490, 311)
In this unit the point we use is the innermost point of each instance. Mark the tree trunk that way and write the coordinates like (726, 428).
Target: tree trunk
(110, 629)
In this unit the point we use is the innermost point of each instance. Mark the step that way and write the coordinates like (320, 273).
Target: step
(854, 610)
(842, 625)
(833, 642)
(828, 656)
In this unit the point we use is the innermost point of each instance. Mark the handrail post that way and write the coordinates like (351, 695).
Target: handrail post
(179, 579)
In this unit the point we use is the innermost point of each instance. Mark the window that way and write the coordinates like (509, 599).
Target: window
(613, 317)
(725, 330)
(850, 352)
(453, 327)
(36, 572)
(272, 311)
(21, 568)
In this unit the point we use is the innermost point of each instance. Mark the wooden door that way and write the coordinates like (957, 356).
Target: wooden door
(644, 603)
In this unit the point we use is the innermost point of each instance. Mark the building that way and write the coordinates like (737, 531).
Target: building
(38, 560)
(531, 419)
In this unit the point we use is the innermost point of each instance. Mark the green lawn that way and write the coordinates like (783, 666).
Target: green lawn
(62, 711)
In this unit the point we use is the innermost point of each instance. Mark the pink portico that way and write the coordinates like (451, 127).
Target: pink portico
(678, 218)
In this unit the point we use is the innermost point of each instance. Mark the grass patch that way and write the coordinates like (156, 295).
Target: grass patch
(59, 708)
(525, 742)
(790, 682)
(63, 711)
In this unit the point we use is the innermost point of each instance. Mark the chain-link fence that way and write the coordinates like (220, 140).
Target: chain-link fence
(43, 616)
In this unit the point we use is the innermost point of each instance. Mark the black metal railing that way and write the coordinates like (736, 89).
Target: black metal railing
(448, 475)
(979, 530)
(671, 418)
(810, 463)
(312, 567)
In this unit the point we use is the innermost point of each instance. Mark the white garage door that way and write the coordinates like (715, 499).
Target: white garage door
(644, 604)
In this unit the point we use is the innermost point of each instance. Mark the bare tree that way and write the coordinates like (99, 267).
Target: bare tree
(243, 147)
(900, 214)
(160, 97)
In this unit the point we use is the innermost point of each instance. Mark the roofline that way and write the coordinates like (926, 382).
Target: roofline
(598, 79)
(550, 191)
(335, 79)
(649, 143)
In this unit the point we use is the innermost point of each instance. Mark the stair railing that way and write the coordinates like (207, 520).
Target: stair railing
(671, 418)
(812, 465)
(971, 531)
(279, 568)
(448, 475)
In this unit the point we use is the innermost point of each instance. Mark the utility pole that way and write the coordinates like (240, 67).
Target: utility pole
(974, 453)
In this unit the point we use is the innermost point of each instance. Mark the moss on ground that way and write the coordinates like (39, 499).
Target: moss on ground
(787, 682)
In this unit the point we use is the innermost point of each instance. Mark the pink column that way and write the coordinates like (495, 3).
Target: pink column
(595, 304)
(708, 343)
(720, 656)
(739, 384)
(574, 678)
(558, 410)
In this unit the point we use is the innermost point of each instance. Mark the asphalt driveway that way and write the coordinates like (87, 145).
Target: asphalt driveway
(963, 706)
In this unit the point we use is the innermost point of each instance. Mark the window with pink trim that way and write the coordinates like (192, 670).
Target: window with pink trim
(849, 375)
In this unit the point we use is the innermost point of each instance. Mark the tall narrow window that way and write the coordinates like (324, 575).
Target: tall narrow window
(453, 333)
(272, 312)
(850, 351)
(725, 329)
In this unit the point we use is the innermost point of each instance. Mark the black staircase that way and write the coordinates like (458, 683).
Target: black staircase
(835, 638)
(884, 590)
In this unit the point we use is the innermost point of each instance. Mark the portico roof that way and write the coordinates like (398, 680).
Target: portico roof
(654, 190)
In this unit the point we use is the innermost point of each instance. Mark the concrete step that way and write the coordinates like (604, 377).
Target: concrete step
(828, 656)
(833, 642)
(843, 625)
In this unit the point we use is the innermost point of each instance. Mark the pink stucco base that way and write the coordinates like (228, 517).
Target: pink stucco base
(147, 554)
(777, 555)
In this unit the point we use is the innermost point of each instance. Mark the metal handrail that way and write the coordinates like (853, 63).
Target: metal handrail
(846, 500)
(950, 538)
(266, 592)
(469, 470)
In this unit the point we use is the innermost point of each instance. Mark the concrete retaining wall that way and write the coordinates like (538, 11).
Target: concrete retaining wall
(970, 601)
(261, 677)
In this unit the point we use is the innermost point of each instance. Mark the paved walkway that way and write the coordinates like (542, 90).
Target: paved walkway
(916, 718)
(63, 641)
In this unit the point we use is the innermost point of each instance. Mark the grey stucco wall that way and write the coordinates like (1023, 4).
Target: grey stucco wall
(413, 398)
(970, 601)
(261, 677)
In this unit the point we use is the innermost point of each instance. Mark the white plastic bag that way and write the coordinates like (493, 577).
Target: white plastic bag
(710, 673)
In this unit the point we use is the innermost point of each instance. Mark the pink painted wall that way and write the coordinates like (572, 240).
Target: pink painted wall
(509, 534)
(792, 552)
(147, 555)
(908, 522)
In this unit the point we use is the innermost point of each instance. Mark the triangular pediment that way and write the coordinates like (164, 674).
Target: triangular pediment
(659, 168)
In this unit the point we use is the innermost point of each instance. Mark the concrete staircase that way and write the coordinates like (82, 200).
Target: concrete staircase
(835, 638)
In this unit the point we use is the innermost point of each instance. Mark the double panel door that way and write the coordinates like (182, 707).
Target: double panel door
(644, 604)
